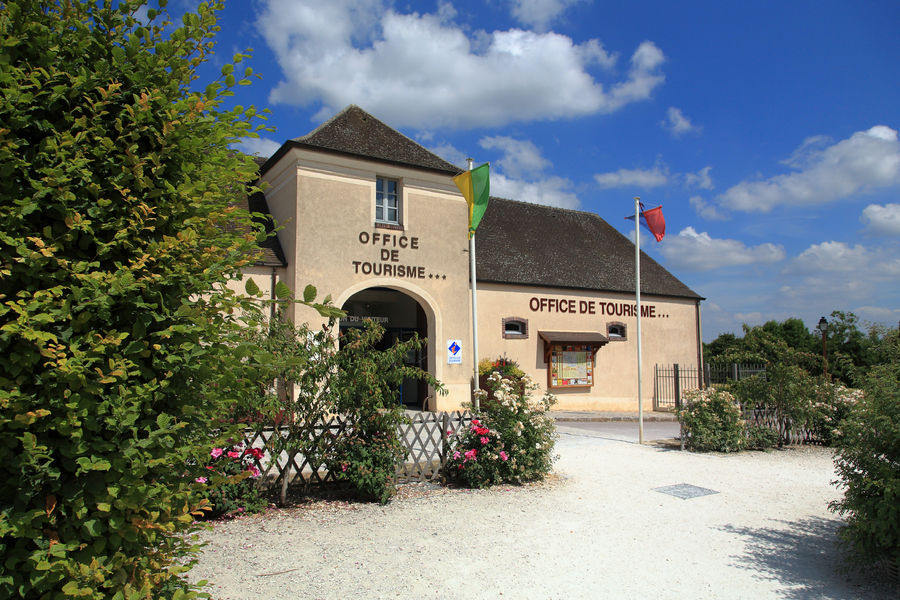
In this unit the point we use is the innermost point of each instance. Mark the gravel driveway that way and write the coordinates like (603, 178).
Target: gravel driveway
(600, 528)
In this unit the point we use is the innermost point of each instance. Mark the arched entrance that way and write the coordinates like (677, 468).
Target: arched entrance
(401, 316)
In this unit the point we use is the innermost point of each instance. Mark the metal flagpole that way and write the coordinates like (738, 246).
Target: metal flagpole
(637, 293)
(475, 401)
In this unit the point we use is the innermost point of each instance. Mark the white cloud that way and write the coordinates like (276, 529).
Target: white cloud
(700, 179)
(520, 157)
(677, 124)
(259, 146)
(882, 220)
(865, 161)
(552, 191)
(539, 13)
(837, 257)
(642, 178)
(842, 273)
(706, 210)
(694, 251)
(421, 70)
(519, 174)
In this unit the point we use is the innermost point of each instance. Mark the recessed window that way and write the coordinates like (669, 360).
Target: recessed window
(515, 327)
(387, 201)
(616, 332)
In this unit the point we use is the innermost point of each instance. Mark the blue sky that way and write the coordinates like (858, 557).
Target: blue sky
(766, 130)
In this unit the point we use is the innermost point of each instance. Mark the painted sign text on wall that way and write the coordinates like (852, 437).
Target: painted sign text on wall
(591, 307)
(389, 263)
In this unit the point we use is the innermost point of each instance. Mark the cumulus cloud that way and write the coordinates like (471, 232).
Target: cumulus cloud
(539, 13)
(551, 191)
(519, 174)
(700, 179)
(260, 146)
(706, 210)
(841, 272)
(423, 71)
(677, 124)
(882, 220)
(693, 251)
(641, 178)
(520, 157)
(865, 161)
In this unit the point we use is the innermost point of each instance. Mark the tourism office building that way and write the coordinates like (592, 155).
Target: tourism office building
(374, 219)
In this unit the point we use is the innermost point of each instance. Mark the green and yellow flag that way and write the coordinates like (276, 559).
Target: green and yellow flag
(475, 186)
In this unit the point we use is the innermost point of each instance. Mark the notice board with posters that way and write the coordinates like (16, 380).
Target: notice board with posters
(571, 366)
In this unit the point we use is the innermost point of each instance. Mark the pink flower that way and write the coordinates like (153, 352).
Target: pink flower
(255, 453)
(485, 440)
(233, 454)
(254, 471)
(210, 467)
(216, 452)
(476, 422)
(344, 467)
(201, 480)
(503, 456)
(471, 454)
(456, 455)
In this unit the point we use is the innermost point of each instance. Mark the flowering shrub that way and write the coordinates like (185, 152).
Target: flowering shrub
(227, 480)
(833, 403)
(711, 420)
(512, 439)
(479, 459)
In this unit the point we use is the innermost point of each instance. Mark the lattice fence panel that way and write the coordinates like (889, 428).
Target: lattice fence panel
(428, 437)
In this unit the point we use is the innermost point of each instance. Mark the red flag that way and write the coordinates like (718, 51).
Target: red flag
(653, 220)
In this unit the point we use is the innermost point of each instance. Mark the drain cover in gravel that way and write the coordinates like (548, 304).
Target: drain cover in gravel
(685, 491)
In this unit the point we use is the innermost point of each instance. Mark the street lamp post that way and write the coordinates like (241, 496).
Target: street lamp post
(823, 327)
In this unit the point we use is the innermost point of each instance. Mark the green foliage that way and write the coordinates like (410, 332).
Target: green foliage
(512, 439)
(760, 437)
(711, 421)
(364, 385)
(868, 462)
(316, 376)
(116, 331)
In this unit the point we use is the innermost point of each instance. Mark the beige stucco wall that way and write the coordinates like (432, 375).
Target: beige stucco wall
(669, 336)
(327, 214)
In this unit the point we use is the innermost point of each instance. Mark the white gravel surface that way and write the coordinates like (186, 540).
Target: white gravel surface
(597, 529)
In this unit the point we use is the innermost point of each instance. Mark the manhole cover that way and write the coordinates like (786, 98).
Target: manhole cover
(685, 491)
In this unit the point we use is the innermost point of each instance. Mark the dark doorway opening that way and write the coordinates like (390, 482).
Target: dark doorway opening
(402, 317)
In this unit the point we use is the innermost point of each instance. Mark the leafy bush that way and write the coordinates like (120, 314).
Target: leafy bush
(711, 421)
(868, 463)
(116, 330)
(517, 426)
(228, 481)
(760, 437)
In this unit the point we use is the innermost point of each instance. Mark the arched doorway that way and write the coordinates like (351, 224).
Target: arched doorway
(401, 316)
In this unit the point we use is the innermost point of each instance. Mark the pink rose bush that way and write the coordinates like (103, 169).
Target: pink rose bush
(510, 441)
(229, 481)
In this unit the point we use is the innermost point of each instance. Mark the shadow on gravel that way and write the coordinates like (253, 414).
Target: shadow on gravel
(805, 557)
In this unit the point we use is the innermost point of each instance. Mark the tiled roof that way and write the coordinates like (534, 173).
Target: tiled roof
(355, 132)
(531, 244)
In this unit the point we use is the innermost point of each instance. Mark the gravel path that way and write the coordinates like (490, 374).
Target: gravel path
(597, 529)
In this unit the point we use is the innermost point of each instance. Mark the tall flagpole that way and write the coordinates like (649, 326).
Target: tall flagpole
(637, 293)
(475, 401)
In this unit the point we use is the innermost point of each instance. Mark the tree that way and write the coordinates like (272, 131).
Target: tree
(116, 329)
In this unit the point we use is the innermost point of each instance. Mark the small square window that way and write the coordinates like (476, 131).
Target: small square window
(387, 201)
